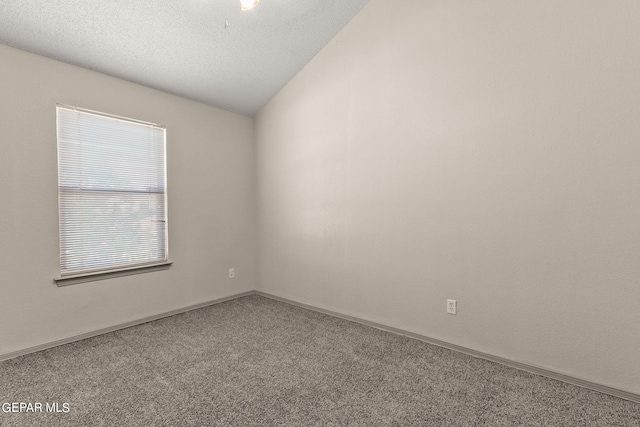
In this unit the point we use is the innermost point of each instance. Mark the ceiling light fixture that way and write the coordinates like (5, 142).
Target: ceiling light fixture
(248, 4)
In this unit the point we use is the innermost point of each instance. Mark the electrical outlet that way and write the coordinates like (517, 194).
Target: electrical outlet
(452, 306)
(232, 273)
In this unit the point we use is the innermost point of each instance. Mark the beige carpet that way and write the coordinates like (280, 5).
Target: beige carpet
(257, 362)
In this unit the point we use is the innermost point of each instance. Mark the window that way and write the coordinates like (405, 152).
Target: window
(111, 192)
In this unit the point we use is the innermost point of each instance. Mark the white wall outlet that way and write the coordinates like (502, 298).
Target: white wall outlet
(232, 273)
(452, 306)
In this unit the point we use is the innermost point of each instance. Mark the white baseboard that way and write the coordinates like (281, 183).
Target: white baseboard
(51, 344)
(514, 364)
(511, 363)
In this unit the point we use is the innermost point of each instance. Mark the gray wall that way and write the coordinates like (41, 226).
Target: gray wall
(483, 151)
(210, 199)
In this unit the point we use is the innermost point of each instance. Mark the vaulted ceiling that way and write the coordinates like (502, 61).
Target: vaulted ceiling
(205, 50)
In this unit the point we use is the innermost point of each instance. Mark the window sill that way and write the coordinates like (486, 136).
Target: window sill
(101, 275)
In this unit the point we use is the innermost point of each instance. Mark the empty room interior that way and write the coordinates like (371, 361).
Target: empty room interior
(365, 212)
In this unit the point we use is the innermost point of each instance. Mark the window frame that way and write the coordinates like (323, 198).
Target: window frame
(123, 269)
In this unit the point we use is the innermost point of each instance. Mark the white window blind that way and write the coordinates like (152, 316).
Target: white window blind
(111, 192)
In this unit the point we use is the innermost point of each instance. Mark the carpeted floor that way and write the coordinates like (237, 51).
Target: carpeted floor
(258, 362)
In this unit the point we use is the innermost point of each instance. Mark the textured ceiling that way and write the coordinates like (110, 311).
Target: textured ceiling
(206, 50)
